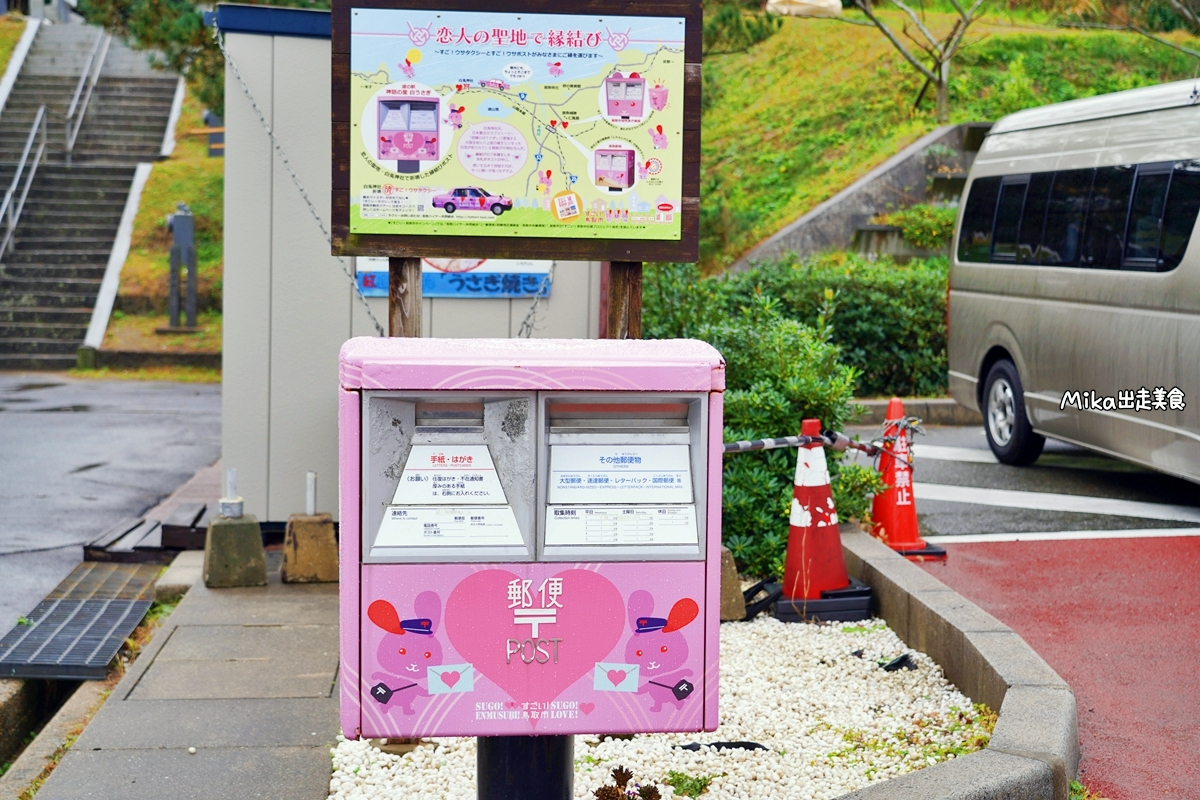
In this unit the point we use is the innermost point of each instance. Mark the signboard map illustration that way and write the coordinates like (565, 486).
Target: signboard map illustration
(537, 125)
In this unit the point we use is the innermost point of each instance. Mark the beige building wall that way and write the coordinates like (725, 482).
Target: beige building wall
(289, 305)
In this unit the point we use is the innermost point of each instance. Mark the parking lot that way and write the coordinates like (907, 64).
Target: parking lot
(1093, 562)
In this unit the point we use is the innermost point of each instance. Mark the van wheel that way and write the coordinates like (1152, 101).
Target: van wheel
(1009, 433)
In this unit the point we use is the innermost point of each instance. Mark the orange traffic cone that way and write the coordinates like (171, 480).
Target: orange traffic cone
(814, 552)
(895, 510)
(815, 583)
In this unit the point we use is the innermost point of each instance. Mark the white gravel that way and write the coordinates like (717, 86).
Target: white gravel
(833, 723)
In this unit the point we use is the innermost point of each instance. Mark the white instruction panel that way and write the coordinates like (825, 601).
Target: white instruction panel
(443, 526)
(658, 473)
(456, 474)
(621, 525)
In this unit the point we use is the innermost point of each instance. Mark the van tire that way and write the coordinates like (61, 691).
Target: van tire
(1009, 433)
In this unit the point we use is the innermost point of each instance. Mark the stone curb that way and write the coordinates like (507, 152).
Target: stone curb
(1034, 750)
(33, 761)
(931, 410)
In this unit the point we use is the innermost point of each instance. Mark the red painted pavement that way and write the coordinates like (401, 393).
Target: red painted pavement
(1119, 620)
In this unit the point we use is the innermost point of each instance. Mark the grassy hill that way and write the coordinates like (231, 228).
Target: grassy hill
(800, 116)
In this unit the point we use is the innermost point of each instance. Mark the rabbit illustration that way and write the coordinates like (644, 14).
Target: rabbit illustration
(545, 182)
(456, 116)
(407, 69)
(643, 171)
(408, 649)
(659, 649)
(659, 138)
(556, 69)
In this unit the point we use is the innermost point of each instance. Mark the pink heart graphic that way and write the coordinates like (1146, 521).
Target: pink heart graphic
(510, 704)
(450, 678)
(587, 708)
(479, 622)
(616, 676)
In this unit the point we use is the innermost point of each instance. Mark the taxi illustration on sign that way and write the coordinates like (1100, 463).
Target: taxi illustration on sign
(472, 198)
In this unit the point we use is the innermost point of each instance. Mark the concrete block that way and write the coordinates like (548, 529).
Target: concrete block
(937, 622)
(233, 553)
(185, 571)
(310, 550)
(1041, 723)
(996, 660)
(985, 775)
(733, 604)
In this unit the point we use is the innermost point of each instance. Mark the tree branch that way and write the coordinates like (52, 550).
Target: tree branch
(916, 21)
(904, 51)
(1160, 40)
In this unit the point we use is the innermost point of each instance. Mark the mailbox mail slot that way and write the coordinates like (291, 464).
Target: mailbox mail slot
(530, 536)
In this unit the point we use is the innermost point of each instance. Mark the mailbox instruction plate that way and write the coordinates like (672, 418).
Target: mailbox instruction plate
(620, 474)
(621, 525)
(449, 475)
(442, 526)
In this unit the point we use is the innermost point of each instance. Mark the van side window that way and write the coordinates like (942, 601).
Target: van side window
(1183, 202)
(1146, 216)
(1104, 240)
(975, 235)
(1033, 219)
(1008, 219)
(1065, 215)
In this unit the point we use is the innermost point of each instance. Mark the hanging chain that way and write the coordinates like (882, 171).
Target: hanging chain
(530, 321)
(295, 178)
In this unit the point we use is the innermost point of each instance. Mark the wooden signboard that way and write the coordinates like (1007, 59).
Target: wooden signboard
(463, 131)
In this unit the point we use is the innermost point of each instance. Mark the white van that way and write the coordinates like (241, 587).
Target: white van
(1075, 282)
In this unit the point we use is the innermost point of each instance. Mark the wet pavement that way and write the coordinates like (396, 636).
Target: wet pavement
(1108, 599)
(78, 456)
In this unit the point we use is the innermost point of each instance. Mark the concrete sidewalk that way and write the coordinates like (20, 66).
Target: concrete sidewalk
(248, 677)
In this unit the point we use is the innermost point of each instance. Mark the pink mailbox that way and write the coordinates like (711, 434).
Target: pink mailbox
(530, 536)
(408, 128)
(625, 96)
(614, 169)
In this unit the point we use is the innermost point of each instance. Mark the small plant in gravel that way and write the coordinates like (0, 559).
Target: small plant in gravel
(620, 789)
(688, 785)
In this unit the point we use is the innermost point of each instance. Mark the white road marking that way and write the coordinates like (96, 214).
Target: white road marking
(1045, 501)
(1051, 536)
(939, 452)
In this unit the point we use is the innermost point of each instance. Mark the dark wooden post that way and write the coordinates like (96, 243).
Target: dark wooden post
(625, 300)
(404, 297)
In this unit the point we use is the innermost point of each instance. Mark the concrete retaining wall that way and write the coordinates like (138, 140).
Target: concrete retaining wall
(1034, 750)
(899, 181)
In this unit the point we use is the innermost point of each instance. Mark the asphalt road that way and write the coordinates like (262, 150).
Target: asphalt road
(1093, 562)
(78, 456)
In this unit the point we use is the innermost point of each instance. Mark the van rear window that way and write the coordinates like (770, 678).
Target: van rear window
(1183, 203)
(975, 235)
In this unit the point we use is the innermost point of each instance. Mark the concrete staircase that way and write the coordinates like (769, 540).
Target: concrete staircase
(50, 280)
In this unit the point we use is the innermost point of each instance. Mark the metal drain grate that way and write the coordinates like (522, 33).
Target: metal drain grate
(80, 626)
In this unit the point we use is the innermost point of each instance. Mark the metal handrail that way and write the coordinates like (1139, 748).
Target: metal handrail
(77, 109)
(10, 213)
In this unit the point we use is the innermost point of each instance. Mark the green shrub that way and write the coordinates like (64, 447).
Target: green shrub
(778, 372)
(890, 322)
(923, 226)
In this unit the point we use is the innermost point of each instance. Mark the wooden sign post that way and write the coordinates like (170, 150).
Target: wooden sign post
(464, 131)
(461, 131)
